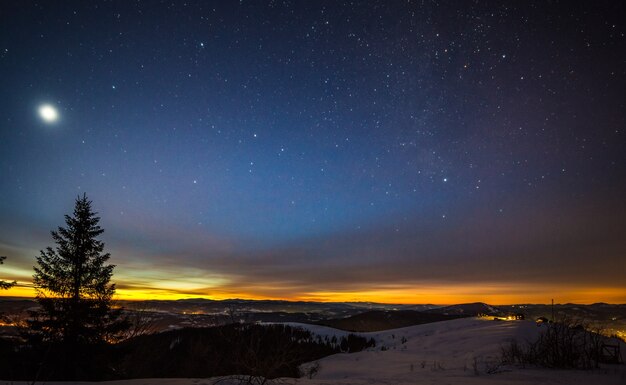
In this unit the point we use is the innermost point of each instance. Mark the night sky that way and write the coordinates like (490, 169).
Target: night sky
(392, 151)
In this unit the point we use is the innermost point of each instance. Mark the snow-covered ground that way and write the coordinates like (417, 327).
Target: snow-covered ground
(456, 352)
(461, 351)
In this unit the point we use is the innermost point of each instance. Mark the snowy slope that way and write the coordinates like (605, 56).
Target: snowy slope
(446, 353)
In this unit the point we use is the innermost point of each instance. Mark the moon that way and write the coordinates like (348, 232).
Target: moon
(48, 113)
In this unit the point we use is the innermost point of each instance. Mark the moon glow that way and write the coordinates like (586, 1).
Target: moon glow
(48, 113)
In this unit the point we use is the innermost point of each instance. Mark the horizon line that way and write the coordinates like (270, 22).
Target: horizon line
(338, 302)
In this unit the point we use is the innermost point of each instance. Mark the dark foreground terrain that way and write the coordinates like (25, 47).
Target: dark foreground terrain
(203, 338)
(267, 351)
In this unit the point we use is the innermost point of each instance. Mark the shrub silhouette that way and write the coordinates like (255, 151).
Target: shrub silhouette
(563, 344)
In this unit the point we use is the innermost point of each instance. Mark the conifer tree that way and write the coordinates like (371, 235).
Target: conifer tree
(73, 284)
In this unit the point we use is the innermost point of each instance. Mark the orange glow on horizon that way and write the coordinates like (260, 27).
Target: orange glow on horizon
(441, 295)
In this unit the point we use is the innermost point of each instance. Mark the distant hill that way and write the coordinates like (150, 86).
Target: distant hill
(207, 306)
(378, 320)
(467, 309)
(16, 305)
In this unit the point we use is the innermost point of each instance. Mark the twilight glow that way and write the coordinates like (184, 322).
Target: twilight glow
(327, 151)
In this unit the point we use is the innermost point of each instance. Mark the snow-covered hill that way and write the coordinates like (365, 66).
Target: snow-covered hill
(462, 351)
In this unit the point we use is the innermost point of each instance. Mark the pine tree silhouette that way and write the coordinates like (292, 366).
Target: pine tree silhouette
(73, 284)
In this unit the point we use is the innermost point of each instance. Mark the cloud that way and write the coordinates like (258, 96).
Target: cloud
(525, 249)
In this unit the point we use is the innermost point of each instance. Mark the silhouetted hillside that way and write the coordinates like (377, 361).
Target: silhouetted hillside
(377, 320)
(467, 309)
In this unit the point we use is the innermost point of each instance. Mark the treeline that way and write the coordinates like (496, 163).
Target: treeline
(262, 351)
